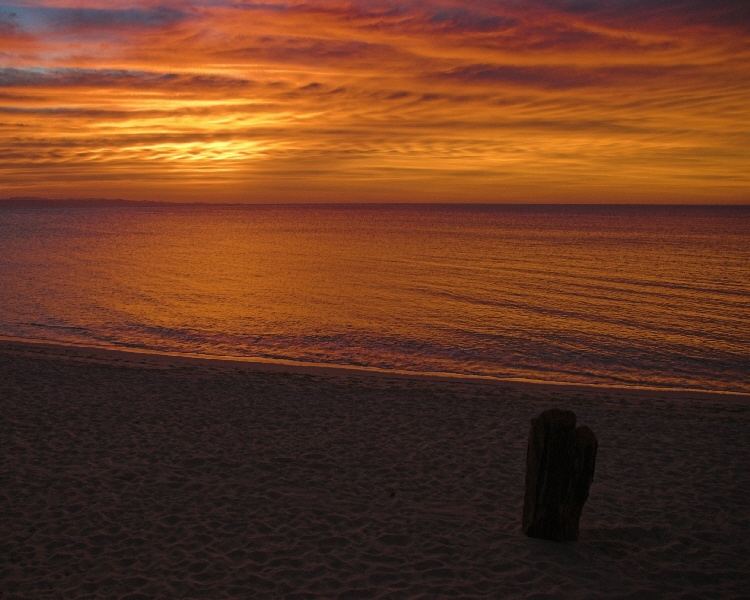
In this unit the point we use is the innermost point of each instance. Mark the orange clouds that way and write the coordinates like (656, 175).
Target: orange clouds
(548, 100)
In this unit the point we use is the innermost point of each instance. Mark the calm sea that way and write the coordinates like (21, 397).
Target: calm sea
(624, 296)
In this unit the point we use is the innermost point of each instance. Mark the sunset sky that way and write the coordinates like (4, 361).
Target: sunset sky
(371, 100)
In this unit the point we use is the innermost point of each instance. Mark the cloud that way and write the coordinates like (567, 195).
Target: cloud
(308, 50)
(406, 15)
(566, 37)
(105, 78)
(733, 14)
(51, 18)
(8, 22)
(9, 25)
(457, 19)
(560, 77)
(485, 99)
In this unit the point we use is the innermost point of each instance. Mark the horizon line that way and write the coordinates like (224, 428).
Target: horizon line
(41, 201)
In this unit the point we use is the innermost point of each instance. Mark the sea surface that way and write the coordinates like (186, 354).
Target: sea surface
(631, 296)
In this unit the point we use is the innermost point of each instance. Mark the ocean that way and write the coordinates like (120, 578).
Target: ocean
(623, 296)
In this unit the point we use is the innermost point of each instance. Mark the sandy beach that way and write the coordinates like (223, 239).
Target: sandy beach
(130, 476)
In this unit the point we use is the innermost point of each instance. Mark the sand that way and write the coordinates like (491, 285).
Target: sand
(129, 476)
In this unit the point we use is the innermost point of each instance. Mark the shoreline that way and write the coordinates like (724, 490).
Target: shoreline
(159, 358)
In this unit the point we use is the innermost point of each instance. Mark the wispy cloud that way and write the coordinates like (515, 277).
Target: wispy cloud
(60, 77)
(733, 14)
(563, 77)
(376, 99)
(43, 18)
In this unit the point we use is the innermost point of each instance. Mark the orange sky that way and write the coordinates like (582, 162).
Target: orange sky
(332, 100)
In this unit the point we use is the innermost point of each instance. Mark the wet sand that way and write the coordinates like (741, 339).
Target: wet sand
(130, 476)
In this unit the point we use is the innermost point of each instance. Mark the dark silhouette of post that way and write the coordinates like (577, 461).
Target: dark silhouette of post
(560, 462)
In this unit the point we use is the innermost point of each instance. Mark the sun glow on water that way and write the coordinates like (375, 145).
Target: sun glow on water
(629, 296)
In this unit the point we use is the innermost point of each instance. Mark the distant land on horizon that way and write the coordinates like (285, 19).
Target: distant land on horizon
(33, 202)
(41, 202)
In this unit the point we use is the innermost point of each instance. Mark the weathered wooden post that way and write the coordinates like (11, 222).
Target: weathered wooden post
(560, 463)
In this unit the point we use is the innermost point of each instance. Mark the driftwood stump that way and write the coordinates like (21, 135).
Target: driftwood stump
(559, 469)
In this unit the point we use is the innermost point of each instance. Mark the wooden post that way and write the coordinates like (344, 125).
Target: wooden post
(560, 464)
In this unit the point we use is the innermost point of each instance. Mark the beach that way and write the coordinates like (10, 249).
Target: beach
(134, 476)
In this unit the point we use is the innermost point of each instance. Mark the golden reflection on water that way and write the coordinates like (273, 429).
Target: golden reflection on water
(571, 294)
